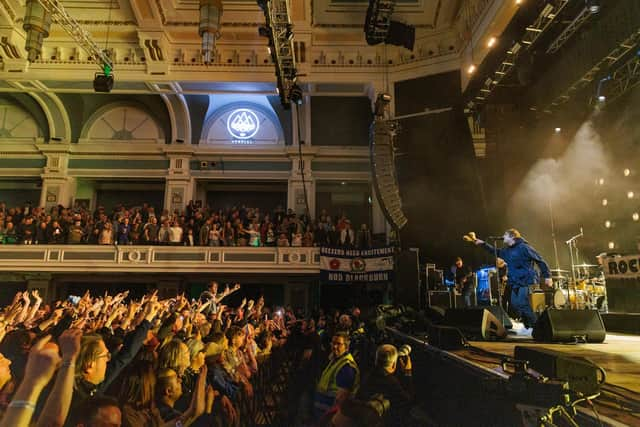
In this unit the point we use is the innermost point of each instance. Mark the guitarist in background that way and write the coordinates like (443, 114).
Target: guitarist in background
(463, 277)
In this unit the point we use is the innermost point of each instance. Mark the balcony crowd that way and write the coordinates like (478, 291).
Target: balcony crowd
(196, 226)
(111, 360)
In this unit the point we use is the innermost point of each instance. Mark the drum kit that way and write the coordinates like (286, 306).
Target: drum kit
(586, 292)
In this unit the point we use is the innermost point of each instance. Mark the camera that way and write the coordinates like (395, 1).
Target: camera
(404, 350)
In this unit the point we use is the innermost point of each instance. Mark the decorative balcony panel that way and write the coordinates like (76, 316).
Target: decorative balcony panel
(154, 259)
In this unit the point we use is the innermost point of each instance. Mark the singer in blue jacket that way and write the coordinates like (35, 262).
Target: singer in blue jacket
(520, 258)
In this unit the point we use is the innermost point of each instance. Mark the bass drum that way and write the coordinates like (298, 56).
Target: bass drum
(559, 299)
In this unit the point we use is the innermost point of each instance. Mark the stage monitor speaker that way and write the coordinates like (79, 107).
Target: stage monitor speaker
(407, 279)
(501, 315)
(475, 323)
(569, 325)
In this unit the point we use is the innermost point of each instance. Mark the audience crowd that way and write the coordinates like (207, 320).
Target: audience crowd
(111, 360)
(197, 226)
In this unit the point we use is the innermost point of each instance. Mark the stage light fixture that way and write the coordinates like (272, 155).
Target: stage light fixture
(605, 202)
(209, 27)
(626, 172)
(600, 181)
(607, 224)
(593, 6)
(635, 216)
(471, 69)
(296, 94)
(602, 98)
(518, 2)
(611, 245)
(289, 32)
(558, 130)
(103, 82)
(630, 194)
(381, 104)
(491, 42)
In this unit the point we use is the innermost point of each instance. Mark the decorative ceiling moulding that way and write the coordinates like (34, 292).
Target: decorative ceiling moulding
(185, 14)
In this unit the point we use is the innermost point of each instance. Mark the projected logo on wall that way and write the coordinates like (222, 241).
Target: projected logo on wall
(243, 124)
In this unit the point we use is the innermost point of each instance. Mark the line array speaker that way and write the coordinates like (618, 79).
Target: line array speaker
(381, 137)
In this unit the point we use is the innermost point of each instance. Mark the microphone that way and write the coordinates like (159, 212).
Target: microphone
(495, 237)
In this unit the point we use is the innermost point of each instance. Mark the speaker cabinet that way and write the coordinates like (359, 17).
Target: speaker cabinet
(439, 299)
(408, 279)
(569, 325)
(475, 323)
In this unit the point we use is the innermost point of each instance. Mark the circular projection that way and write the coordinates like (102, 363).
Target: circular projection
(243, 123)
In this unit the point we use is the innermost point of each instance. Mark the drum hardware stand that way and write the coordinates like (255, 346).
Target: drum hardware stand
(573, 247)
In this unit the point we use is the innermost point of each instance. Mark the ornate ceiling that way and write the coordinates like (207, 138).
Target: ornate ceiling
(156, 47)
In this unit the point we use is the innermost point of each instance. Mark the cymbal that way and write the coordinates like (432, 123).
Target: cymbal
(585, 265)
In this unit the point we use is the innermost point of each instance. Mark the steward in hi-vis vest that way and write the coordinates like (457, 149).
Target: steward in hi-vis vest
(341, 377)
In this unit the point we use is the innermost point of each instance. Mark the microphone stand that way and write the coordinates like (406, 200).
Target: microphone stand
(572, 246)
(495, 256)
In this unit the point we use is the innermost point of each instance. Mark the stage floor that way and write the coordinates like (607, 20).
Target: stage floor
(619, 355)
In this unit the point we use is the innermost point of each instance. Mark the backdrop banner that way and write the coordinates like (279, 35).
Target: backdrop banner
(622, 267)
(340, 265)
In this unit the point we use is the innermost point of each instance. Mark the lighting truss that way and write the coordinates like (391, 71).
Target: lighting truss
(546, 16)
(624, 79)
(60, 16)
(584, 15)
(280, 29)
(621, 50)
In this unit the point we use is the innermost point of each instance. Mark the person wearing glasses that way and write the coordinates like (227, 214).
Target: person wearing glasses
(340, 379)
(95, 369)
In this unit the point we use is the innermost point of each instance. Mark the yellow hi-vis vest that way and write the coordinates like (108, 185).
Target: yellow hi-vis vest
(327, 383)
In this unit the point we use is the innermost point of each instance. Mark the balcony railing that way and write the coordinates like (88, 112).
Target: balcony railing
(154, 259)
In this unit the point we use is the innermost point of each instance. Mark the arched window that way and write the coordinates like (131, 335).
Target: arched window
(122, 123)
(16, 124)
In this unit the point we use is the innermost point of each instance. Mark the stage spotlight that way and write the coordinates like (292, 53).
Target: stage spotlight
(626, 172)
(558, 130)
(518, 2)
(600, 181)
(103, 82)
(607, 224)
(630, 194)
(611, 245)
(289, 32)
(605, 202)
(602, 98)
(593, 6)
(491, 42)
(635, 216)
(471, 69)
(296, 94)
